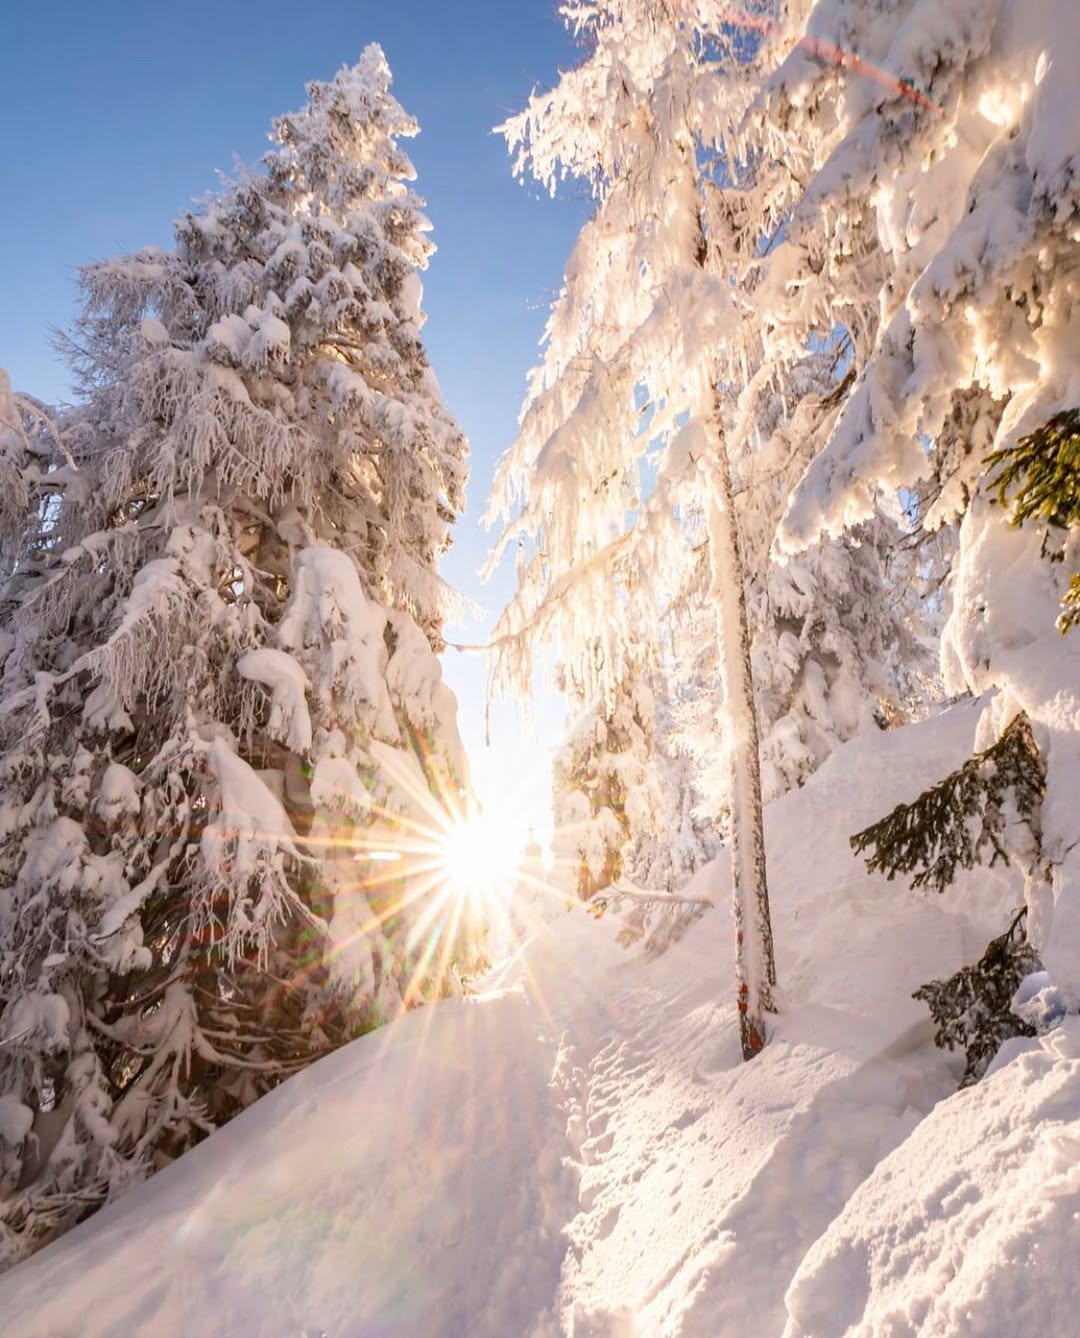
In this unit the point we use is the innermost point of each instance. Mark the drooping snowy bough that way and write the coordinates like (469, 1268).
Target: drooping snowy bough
(220, 692)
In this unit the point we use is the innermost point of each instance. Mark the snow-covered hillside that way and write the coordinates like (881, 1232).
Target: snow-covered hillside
(579, 1150)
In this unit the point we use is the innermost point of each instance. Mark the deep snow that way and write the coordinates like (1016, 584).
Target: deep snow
(579, 1151)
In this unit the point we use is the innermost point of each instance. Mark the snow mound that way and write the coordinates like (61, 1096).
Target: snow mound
(971, 1226)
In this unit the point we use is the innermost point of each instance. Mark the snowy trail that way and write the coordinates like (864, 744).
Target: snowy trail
(703, 1181)
(826, 1152)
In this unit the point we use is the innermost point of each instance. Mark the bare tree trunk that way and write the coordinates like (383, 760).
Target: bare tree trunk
(755, 966)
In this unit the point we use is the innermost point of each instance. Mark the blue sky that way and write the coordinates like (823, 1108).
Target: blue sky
(119, 113)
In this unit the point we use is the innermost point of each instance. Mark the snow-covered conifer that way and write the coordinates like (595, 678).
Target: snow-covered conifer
(34, 467)
(953, 154)
(220, 691)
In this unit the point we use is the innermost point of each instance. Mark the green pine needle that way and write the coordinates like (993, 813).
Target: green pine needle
(1039, 479)
(955, 822)
(972, 1009)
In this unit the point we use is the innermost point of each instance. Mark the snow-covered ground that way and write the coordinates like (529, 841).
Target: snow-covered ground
(579, 1151)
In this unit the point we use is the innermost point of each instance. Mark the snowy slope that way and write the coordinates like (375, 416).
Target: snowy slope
(579, 1151)
(972, 1226)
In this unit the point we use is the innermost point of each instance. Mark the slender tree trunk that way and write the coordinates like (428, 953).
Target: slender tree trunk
(755, 966)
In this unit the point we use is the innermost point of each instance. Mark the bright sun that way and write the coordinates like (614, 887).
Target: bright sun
(479, 856)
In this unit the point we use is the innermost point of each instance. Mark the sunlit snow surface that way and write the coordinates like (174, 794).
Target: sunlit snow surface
(579, 1152)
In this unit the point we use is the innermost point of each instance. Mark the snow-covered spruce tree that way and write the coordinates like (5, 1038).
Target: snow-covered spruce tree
(838, 634)
(589, 795)
(670, 849)
(677, 342)
(220, 688)
(623, 423)
(955, 142)
(625, 810)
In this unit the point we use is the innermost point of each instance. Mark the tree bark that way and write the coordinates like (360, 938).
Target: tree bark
(755, 966)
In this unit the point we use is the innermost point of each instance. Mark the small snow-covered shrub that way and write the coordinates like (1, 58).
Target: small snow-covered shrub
(972, 1009)
(979, 809)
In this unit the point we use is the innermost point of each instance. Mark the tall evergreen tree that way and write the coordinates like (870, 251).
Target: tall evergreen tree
(686, 383)
(220, 688)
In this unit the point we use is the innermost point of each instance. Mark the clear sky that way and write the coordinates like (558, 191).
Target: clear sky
(118, 113)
